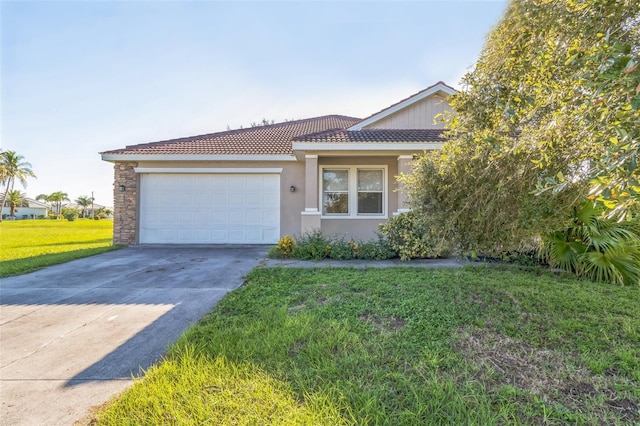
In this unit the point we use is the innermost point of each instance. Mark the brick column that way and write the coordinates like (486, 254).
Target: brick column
(125, 204)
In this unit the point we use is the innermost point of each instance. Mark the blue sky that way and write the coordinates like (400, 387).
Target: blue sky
(80, 77)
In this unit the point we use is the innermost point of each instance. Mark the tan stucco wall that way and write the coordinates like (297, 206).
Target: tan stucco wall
(126, 215)
(359, 228)
(291, 203)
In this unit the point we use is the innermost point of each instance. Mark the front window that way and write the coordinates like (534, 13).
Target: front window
(370, 191)
(353, 191)
(335, 191)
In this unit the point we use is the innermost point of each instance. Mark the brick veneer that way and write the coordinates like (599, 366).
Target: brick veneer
(125, 218)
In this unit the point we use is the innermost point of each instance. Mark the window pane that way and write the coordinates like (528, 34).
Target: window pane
(370, 202)
(335, 180)
(335, 203)
(369, 180)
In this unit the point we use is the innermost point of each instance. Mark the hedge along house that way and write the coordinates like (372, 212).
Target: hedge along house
(252, 186)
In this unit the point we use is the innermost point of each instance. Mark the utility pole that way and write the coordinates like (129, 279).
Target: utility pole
(93, 210)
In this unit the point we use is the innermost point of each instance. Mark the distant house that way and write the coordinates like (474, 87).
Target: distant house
(29, 209)
(89, 210)
(332, 173)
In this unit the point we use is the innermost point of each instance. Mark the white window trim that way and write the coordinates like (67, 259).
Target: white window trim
(353, 192)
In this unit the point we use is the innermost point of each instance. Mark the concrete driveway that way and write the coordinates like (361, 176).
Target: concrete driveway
(73, 335)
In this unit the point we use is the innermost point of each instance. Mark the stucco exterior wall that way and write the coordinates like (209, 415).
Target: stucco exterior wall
(418, 116)
(125, 211)
(362, 228)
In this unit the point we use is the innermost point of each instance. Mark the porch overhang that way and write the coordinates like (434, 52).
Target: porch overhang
(300, 149)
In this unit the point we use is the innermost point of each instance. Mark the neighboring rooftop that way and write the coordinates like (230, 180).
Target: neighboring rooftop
(269, 139)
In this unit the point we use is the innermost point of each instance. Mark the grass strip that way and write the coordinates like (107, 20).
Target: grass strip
(29, 245)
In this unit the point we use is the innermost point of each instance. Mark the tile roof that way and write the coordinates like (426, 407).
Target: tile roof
(374, 135)
(271, 139)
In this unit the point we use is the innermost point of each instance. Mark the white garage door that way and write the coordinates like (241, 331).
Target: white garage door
(209, 208)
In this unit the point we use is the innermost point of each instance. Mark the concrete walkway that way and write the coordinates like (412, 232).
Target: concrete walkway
(73, 335)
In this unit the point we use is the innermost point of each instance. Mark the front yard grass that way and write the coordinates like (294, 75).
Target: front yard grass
(400, 346)
(28, 245)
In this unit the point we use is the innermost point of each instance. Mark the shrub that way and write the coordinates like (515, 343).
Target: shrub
(376, 250)
(285, 245)
(342, 250)
(601, 250)
(317, 246)
(70, 214)
(312, 245)
(413, 237)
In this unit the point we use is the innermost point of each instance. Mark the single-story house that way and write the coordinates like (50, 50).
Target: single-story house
(255, 185)
(89, 210)
(29, 208)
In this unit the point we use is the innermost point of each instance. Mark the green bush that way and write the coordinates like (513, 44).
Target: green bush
(70, 214)
(376, 250)
(341, 249)
(317, 246)
(312, 246)
(601, 250)
(414, 237)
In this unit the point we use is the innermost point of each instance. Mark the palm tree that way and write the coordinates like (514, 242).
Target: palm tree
(103, 212)
(56, 200)
(12, 167)
(84, 202)
(15, 199)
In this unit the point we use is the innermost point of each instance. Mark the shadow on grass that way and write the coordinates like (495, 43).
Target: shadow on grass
(9, 268)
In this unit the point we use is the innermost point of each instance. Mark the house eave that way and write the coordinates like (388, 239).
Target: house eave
(366, 146)
(362, 149)
(196, 157)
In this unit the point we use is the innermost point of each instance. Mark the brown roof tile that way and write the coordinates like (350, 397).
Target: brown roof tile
(270, 139)
(374, 135)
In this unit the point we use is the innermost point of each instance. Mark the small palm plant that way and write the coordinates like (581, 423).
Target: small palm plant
(596, 248)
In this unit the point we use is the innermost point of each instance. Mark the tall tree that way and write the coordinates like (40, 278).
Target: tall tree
(56, 199)
(552, 108)
(12, 168)
(84, 202)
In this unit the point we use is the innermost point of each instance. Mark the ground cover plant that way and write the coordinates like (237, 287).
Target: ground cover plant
(316, 245)
(401, 346)
(28, 245)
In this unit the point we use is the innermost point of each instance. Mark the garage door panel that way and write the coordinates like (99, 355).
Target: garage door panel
(210, 208)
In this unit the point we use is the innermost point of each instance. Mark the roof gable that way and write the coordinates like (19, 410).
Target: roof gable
(404, 104)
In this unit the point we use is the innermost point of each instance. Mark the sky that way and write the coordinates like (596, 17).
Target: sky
(81, 77)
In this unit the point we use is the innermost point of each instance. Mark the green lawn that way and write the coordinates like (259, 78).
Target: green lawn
(477, 345)
(28, 245)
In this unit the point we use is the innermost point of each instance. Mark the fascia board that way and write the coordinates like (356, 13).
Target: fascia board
(195, 157)
(372, 146)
